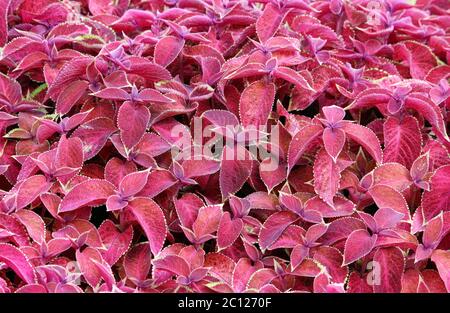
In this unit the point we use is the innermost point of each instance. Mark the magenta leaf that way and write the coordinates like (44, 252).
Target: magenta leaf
(70, 96)
(256, 103)
(326, 177)
(30, 189)
(442, 260)
(88, 193)
(131, 133)
(438, 198)
(274, 227)
(94, 135)
(366, 138)
(269, 22)
(17, 261)
(86, 261)
(137, 262)
(152, 220)
(402, 140)
(387, 197)
(263, 146)
(167, 49)
(235, 169)
(391, 263)
(116, 243)
(301, 142)
(4, 7)
(358, 244)
(33, 223)
(228, 230)
(207, 221)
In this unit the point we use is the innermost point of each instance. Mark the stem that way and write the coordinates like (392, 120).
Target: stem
(38, 90)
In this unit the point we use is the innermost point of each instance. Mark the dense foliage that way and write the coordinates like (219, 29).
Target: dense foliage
(114, 174)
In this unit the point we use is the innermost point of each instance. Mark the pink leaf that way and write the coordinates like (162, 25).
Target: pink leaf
(333, 140)
(442, 260)
(94, 135)
(152, 220)
(88, 193)
(366, 138)
(4, 7)
(242, 273)
(137, 262)
(272, 174)
(402, 140)
(30, 189)
(220, 266)
(438, 198)
(269, 22)
(187, 208)
(116, 170)
(131, 133)
(86, 259)
(359, 243)
(71, 71)
(207, 221)
(394, 175)
(387, 197)
(326, 177)
(173, 264)
(132, 183)
(256, 103)
(18, 262)
(116, 243)
(274, 226)
(167, 49)
(33, 223)
(228, 231)
(70, 95)
(390, 264)
(235, 169)
(157, 181)
(301, 141)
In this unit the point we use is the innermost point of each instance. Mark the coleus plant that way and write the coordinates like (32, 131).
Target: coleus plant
(224, 146)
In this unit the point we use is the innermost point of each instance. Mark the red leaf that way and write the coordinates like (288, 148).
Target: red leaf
(167, 49)
(394, 175)
(4, 7)
(228, 231)
(269, 22)
(274, 226)
(137, 262)
(30, 189)
(207, 221)
(256, 104)
(359, 243)
(236, 168)
(94, 135)
(70, 95)
(327, 175)
(92, 192)
(301, 141)
(333, 140)
(33, 223)
(387, 197)
(18, 262)
(442, 260)
(131, 133)
(402, 140)
(438, 198)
